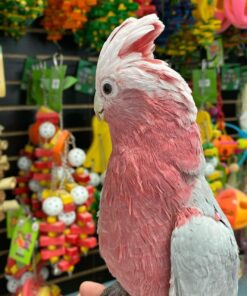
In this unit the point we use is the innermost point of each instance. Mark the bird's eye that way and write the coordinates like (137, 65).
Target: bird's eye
(107, 88)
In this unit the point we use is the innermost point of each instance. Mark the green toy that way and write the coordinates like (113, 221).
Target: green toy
(231, 77)
(204, 86)
(86, 77)
(103, 19)
(16, 16)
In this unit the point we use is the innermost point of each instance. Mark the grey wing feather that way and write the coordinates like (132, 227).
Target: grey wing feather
(204, 259)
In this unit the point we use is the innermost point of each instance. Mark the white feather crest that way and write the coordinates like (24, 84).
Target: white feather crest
(133, 71)
(128, 32)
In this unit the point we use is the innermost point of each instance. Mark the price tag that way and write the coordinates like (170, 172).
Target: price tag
(204, 82)
(55, 83)
(204, 86)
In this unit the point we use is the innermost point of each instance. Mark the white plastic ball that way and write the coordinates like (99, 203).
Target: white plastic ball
(67, 218)
(76, 157)
(94, 179)
(209, 169)
(52, 206)
(44, 272)
(47, 130)
(79, 195)
(27, 275)
(24, 163)
(34, 186)
(12, 285)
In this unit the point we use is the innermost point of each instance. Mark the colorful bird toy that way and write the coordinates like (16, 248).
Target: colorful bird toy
(206, 25)
(102, 19)
(54, 188)
(64, 16)
(234, 204)
(17, 16)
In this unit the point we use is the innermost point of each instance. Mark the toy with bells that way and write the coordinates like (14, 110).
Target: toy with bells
(36, 161)
(65, 233)
(47, 187)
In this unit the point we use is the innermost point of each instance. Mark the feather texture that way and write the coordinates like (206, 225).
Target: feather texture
(204, 259)
(155, 171)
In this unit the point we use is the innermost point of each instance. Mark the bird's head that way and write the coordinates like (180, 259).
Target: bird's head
(130, 81)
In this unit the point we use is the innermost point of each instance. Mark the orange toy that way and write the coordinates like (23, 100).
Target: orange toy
(62, 138)
(43, 114)
(225, 145)
(234, 204)
(61, 16)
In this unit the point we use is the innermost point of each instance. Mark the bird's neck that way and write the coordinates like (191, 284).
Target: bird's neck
(137, 120)
(156, 142)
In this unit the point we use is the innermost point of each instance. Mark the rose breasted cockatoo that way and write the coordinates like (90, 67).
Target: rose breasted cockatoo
(161, 231)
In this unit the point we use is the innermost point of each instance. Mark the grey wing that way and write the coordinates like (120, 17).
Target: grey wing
(204, 259)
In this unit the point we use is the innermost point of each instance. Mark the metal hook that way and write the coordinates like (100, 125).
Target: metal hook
(55, 59)
(204, 65)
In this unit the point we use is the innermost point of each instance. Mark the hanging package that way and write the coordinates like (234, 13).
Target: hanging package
(230, 77)
(48, 83)
(204, 86)
(23, 240)
(86, 77)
